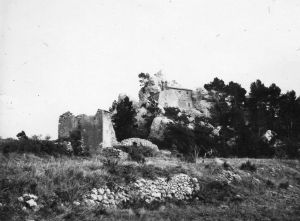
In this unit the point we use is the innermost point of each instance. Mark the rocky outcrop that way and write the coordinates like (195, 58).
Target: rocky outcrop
(158, 127)
(179, 187)
(268, 136)
(202, 101)
(139, 142)
(155, 85)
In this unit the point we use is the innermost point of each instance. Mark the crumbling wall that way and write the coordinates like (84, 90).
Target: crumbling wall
(109, 135)
(91, 131)
(96, 131)
(66, 124)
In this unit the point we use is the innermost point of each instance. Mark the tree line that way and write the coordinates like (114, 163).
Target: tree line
(242, 120)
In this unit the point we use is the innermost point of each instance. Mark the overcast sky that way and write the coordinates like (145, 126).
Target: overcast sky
(78, 55)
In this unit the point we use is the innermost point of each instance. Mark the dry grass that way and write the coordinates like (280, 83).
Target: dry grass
(60, 181)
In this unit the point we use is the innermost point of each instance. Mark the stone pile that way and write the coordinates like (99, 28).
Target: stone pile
(179, 187)
(29, 201)
(229, 176)
(104, 196)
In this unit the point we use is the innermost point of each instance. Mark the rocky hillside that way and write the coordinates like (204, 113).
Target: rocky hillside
(162, 188)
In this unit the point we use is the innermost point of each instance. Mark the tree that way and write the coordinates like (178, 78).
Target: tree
(257, 105)
(217, 85)
(180, 138)
(123, 118)
(75, 139)
(152, 111)
(145, 81)
(289, 114)
(235, 90)
(22, 136)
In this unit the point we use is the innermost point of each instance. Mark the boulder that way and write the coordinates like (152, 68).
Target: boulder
(218, 161)
(158, 127)
(203, 101)
(139, 142)
(31, 203)
(268, 136)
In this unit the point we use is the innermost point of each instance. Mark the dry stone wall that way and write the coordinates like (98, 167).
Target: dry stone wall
(179, 187)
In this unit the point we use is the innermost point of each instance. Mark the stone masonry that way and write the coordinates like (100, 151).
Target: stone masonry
(174, 97)
(96, 131)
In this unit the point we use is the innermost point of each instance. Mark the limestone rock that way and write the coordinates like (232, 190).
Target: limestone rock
(31, 203)
(76, 203)
(202, 101)
(268, 136)
(219, 162)
(158, 127)
(139, 142)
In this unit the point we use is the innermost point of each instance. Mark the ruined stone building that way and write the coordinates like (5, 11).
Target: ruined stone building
(174, 97)
(96, 131)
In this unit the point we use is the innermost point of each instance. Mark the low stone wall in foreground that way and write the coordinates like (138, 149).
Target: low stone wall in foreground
(179, 187)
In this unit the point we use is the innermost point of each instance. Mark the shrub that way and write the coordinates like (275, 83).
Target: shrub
(137, 156)
(284, 185)
(120, 173)
(227, 166)
(270, 183)
(138, 153)
(214, 191)
(35, 146)
(248, 166)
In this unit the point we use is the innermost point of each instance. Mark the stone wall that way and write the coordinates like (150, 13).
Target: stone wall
(66, 124)
(179, 187)
(173, 97)
(109, 135)
(95, 130)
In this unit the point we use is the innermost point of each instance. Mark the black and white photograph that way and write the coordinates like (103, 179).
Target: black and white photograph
(149, 110)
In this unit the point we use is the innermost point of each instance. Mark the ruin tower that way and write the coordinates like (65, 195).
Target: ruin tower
(96, 131)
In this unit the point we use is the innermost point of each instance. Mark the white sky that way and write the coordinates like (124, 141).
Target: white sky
(60, 55)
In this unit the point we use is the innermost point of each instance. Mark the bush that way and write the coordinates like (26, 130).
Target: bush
(214, 191)
(39, 147)
(270, 183)
(284, 185)
(248, 166)
(138, 153)
(227, 166)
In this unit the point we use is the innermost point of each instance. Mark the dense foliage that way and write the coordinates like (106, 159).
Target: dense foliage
(123, 118)
(242, 121)
(246, 119)
(34, 145)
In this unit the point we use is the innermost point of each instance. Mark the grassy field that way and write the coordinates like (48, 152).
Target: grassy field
(269, 192)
